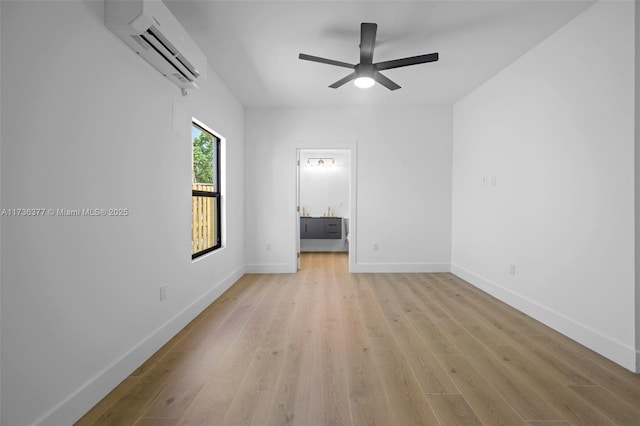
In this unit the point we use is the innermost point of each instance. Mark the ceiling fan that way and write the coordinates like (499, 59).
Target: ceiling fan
(366, 73)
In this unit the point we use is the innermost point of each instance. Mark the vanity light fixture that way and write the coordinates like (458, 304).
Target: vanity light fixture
(321, 162)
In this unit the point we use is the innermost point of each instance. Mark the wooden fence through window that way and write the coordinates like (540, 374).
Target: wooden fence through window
(203, 222)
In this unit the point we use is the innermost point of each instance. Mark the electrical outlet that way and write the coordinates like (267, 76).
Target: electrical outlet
(163, 292)
(512, 269)
(375, 246)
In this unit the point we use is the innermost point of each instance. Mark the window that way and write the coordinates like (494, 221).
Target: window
(205, 191)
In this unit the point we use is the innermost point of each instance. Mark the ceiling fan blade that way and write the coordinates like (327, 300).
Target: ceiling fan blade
(404, 62)
(367, 42)
(386, 82)
(325, 61)
(343, 81)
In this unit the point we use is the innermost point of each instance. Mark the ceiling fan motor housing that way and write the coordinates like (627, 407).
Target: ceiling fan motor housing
(365, 70)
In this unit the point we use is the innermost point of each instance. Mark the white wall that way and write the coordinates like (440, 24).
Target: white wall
(637, 168)
(556, 129)
(86, 123)
(327, 186)
(403, 183)
(1, 206)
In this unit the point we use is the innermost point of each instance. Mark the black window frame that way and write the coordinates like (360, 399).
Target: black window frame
(216, 195)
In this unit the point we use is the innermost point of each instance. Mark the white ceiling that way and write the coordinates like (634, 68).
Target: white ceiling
(254, 45)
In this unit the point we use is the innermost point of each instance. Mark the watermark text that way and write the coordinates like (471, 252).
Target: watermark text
(61, 212)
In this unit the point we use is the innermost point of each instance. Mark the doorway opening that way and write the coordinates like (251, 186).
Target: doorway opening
(325, 194)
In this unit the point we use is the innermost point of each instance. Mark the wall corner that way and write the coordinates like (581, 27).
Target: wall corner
(637, 182)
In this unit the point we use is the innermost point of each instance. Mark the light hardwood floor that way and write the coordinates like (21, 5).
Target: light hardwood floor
(325, 347)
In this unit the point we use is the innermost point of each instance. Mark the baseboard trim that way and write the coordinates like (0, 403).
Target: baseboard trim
(617, 352)
(270, 268)
(396, 268)
(84, 398)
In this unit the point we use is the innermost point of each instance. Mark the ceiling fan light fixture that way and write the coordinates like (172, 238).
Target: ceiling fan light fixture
(364, 82)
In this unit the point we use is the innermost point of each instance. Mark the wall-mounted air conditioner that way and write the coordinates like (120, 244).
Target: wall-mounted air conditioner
(149, 28)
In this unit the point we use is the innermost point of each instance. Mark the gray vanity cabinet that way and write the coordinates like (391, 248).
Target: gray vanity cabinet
(321, 228)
